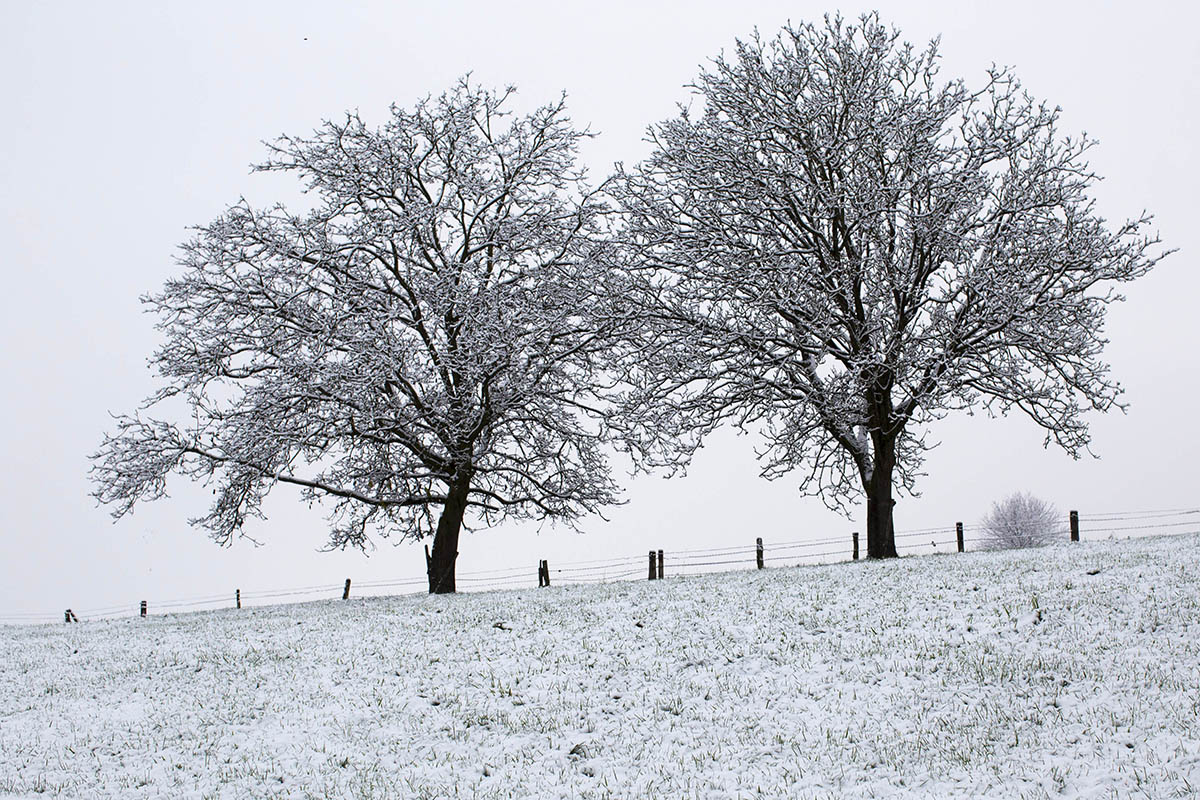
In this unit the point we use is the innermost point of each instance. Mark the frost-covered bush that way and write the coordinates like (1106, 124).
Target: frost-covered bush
(1021, 520)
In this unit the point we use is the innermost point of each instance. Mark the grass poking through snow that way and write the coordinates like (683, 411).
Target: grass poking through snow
(1069, 671)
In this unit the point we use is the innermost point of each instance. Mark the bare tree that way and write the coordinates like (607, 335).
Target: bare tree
(423, 344)
(1021, 520)
(840, 248)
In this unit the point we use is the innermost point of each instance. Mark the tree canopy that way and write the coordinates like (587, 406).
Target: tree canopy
(838, 247)
(835, 248)
(426, 342)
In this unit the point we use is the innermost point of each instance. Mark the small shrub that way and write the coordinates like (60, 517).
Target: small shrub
(1021, 520)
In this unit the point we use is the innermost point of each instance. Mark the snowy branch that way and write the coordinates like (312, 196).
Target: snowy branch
(439, 319)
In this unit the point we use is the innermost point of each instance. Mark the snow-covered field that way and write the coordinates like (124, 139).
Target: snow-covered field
(1068, 671)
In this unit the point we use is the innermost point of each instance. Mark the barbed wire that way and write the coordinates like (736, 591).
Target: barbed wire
(599, 565)
(609, 579)
(798, 544)
(685, 564)
(676, 562)
(930, 532)
(387, 584)
(1157, 526)
(1113, 516)
(600, 560)
(918, 531)
(268, 595)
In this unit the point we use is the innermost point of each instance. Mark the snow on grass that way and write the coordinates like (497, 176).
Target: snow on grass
(1069, 671)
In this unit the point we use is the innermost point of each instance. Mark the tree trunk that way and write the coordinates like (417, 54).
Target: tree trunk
(440, 564)
(881, 533)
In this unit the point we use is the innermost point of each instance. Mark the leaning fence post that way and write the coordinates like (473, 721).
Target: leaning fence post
(758, 552)
(660, 564)
(1074, 526)
(652, 574)
(854, 539)
(237, 593)
(346, 591)
(143, 608)
(958, 530)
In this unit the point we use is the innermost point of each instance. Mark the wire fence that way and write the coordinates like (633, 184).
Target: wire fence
(919, 541)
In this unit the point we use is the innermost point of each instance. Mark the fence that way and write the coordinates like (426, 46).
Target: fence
(658, 564)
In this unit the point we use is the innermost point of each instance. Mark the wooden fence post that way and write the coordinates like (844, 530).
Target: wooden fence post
(958, 530)
(652, 573)
(346, 591)
(237, 593)
(1074, 526)
(143, 608)
(660, 564)
(543, 573)
(68, 616)
(758, 552)
(854, 539)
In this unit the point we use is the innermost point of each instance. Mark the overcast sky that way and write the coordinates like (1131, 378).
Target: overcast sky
(126, 123)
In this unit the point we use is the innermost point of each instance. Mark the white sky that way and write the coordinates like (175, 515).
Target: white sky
(125, 123)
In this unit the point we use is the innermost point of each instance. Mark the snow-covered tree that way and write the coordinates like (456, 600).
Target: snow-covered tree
(1021, 520)
(840, 247)
(420, 345)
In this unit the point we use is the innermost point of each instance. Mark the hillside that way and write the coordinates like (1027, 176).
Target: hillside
(1068, 671)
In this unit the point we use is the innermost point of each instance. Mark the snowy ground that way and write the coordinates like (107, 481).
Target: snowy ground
(1070, 671)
